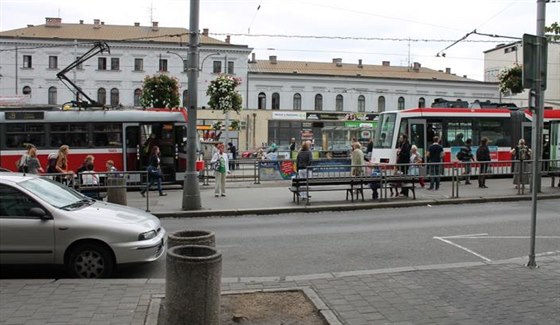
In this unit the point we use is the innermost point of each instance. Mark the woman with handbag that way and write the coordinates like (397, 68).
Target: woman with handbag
(154, 172)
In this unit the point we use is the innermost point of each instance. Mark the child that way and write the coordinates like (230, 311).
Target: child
(396, 186)
(375, 172)
(110, 166)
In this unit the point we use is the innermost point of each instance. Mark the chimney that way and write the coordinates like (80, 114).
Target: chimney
(136, 24)
(102, 23)
(155, 27)
(416, 66)
(81, 21)
(53, 22)
(360, 65)
(386, 63)
(272, 59)
(96, 23)
(228, 38)
(448, 70)
(205, 31)
(29, 25)
(253, 58)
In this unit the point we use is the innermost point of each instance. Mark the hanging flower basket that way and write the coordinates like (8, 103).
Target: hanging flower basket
(223, 94)
(511, 80)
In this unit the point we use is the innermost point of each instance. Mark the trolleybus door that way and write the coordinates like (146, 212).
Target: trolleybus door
(526, 133)
(417, 132)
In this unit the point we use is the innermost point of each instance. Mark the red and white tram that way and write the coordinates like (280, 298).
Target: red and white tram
(118, 135)
(502, 126)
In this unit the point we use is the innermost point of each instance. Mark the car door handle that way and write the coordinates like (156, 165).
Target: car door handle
(62, 228)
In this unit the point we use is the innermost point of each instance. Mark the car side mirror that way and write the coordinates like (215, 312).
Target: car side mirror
(40, 213)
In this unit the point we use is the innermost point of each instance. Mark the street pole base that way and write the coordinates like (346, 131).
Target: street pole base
(532, 263)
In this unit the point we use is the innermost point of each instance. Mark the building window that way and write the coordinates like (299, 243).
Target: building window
(115, 64)
(163, 65)
(401, 103)
(297, 102)
(101, 63)
(185, 97)
(101, 96)
(421, 102)
(138, 64)
(114, 97)
(381, 104)
(230, 67)
(217, 67)
(275, 101)
(52, 96)
(27, 91)
(361, 103)
(137, 97)
(27, 62)
(185, 65)
(261, 101)
(53, 62)
(318, 102)
(339, 103)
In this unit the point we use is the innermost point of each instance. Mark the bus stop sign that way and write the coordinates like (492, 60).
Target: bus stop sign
(531, 72)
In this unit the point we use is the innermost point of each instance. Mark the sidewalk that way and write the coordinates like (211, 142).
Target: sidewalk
(274, 197)
(498, 292)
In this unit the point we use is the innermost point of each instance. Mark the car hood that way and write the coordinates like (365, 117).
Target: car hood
(114, 213)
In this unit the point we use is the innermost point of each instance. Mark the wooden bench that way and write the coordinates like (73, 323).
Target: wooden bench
(352, 185)
(305, 185)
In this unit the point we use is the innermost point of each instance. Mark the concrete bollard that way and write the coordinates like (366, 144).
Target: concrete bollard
(192, 285)
(191, 237)
(116, 190)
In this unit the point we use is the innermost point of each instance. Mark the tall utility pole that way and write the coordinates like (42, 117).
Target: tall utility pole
(538, 117)
(226, 137)
(191, 190)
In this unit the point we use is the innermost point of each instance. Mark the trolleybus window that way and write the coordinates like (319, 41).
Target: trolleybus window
(107, 135)
(386, 129)
(75, 135)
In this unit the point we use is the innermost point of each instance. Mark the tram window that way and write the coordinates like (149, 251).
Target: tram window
(458, 133)
(19, 134)
(107, 135)
(497, 131)
(73, 135)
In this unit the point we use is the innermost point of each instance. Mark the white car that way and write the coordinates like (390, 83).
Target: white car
(45, 222)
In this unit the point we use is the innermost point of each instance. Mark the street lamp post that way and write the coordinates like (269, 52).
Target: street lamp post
(185, 62)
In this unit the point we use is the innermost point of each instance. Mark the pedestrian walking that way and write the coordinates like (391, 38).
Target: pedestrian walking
(415, 162)
(435, 157)
(221, 169)
(303, 162)
(154, 172)
(483, 157)
(466, 157)
(22, 163)
(522, 154)
(232, 156)
(33, 163)
(357, 160)
(62, 163)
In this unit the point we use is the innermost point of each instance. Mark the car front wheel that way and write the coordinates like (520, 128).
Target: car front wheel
(90, 261)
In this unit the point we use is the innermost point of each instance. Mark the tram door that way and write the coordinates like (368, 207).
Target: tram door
(131, 148)
(417, 135)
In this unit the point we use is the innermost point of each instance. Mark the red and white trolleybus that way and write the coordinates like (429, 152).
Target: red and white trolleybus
(124, 136)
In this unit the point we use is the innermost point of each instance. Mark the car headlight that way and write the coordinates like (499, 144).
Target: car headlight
(147, 235)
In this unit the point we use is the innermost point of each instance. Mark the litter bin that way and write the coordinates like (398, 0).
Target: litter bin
(116, 190)
(192, 285)
(191, 237)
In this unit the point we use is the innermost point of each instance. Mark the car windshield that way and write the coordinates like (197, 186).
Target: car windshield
(56, 194)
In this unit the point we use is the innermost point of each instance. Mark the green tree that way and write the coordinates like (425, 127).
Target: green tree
(554, 28)
(160, 91)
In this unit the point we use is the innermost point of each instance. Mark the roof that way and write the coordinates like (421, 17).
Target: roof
(339, 69)
(55, 29)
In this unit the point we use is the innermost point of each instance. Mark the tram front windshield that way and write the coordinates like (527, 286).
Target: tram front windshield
(385, 130)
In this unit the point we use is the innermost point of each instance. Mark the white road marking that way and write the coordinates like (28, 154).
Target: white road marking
(463, 248)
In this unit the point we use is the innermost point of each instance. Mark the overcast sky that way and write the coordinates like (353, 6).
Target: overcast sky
(401, 32)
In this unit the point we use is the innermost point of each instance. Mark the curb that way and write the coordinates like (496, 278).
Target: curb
(348, 207)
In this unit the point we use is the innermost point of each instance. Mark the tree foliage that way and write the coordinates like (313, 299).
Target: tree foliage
(554, 28)
(160, 91)
(511, 80)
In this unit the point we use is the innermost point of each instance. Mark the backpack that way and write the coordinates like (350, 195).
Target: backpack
(21, 164)
(51, 163)
(524, 153)
(461, 155)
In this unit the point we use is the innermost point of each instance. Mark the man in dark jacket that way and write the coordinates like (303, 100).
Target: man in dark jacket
(483, 156)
